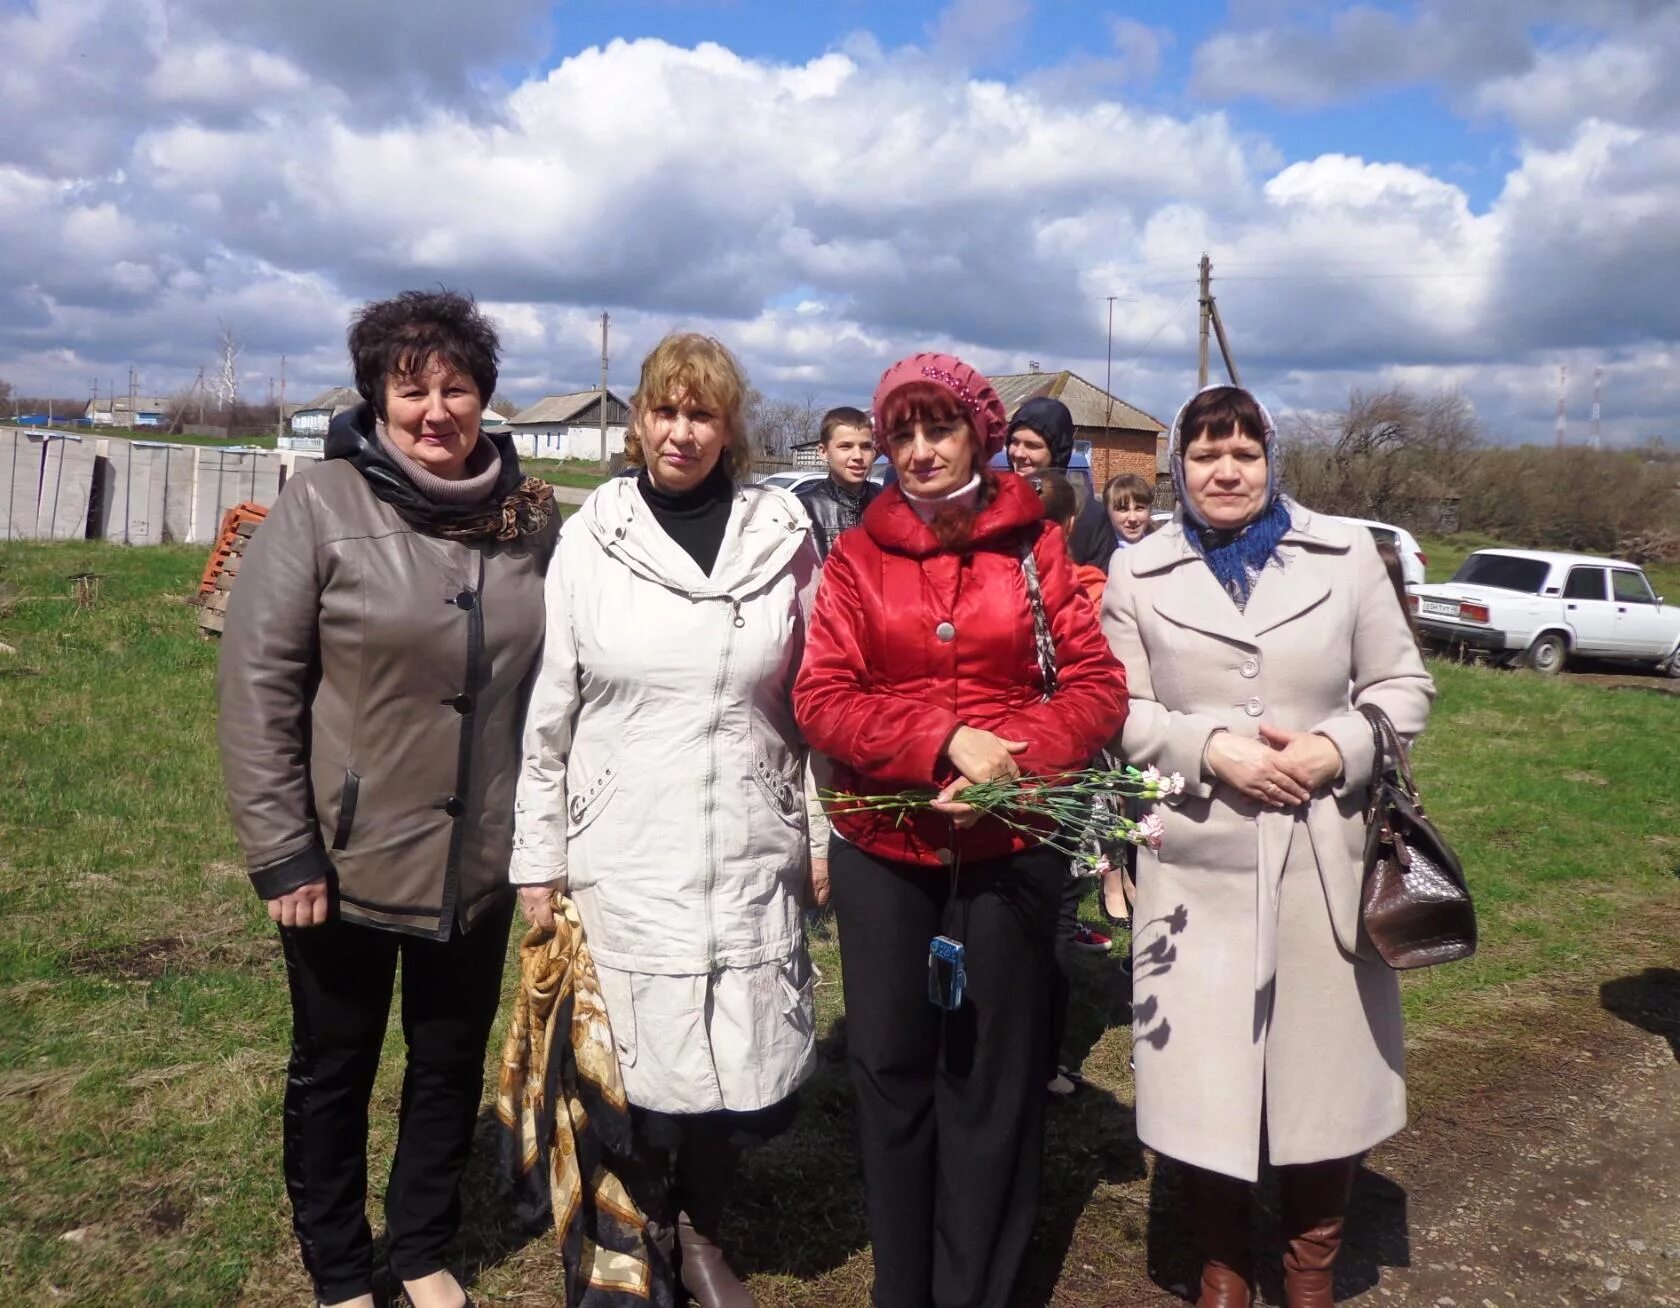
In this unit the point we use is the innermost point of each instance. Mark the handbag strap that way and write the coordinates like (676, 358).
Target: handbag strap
(1041, 621)
(1390, 744)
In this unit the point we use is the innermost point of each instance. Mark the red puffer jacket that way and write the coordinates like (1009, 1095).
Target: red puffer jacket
(909, 641)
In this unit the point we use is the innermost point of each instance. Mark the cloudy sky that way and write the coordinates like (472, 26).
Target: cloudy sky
(1441, 192)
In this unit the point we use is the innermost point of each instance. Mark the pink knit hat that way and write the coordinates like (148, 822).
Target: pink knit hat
(949, 373)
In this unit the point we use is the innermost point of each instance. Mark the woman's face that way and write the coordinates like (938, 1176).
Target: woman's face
(933, 459)
(1226, 479)
(433, 418)
(1028, 451)
(1131, 521)
(682, 441)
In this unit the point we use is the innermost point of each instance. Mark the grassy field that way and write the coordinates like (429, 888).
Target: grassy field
(581, 473)
(143, 1023)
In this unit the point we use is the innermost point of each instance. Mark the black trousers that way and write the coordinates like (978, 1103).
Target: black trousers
(1061, 975)
(950, 1106)
(341, 977)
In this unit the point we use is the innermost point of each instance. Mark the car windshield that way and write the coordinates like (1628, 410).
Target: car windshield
(1503, 572)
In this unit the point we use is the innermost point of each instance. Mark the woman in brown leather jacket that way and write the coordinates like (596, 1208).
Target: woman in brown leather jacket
(371, 691)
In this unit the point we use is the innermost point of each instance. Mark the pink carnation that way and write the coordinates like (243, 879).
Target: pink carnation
(1150, 830)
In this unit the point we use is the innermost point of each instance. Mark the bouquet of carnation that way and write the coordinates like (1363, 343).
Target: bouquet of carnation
(1074, 813)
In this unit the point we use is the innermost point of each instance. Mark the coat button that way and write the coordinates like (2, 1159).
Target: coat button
(946, 857)
(461, 703)
(1254, 708)
(1251, 668)
(946, 632)
(466, 600)
(454, 806)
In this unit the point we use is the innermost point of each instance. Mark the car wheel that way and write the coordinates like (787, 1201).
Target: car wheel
(1672, 667)
(1547, 654)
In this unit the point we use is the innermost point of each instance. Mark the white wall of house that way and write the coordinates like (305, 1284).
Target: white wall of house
(565, 440)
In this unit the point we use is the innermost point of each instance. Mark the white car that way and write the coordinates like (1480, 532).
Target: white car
(1412, 558)
(1541, 608)
(795, 480)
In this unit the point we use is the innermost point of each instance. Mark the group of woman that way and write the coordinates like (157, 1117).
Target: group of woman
(429, 693)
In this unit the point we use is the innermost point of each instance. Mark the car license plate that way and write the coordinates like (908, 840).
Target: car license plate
(1439, 609)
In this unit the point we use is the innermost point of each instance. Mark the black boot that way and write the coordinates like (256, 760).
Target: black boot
(705, 1169)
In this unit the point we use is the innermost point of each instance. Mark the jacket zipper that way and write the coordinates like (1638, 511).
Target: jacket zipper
(736, 621)
(463, 756)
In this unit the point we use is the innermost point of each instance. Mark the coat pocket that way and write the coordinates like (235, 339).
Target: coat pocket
(621, 1012)
(346, 809)
(784, 788)
(585, 803)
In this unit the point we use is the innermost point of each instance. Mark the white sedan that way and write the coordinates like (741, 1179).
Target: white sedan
(1541, 608)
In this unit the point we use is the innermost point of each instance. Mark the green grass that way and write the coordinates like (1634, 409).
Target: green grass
(583, 474)
(143, 1021)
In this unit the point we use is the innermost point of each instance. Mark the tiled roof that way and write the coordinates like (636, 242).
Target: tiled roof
(1090, 405)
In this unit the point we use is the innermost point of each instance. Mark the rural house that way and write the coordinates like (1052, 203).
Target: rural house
(115, 411)
(1123, 438)
(569, 426)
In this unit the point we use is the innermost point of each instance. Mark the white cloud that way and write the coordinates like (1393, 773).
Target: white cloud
(821, 215)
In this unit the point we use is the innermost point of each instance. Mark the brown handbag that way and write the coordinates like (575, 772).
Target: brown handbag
(1416, 906)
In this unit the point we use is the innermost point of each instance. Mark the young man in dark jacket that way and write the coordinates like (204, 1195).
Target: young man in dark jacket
(839, 499)
(1040, 438)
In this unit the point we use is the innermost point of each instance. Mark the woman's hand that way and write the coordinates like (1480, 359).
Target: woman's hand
(306, 906)
(981, 756)
(962, 816)
(1312, 760)
(1254, 768)
(537, 903)
(816, 884)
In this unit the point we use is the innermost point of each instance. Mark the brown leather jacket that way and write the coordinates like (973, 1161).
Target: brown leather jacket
(371, 695)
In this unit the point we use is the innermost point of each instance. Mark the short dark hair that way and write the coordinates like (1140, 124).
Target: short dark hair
(1219, 411)
(401, 337)
(844, 416)
(1058, 496)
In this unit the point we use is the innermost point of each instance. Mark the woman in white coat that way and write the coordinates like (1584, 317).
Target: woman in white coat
(1251, 631)
(662, 786)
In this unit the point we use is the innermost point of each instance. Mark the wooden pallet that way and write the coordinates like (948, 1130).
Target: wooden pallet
(239, 524)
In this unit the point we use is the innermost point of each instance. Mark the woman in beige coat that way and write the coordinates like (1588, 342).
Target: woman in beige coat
(1251, 631)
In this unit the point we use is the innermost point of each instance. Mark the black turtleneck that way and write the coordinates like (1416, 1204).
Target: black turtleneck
(696, 519)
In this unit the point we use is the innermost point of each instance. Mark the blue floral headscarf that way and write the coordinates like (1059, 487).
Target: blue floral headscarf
(1236, 558)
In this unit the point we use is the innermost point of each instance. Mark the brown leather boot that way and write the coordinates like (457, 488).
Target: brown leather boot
(1219, 1207)
(1315, 1199)
(705, 1169)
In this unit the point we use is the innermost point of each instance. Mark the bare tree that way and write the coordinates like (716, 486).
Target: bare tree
(776, 426)
(229, 346)
(1393, 454)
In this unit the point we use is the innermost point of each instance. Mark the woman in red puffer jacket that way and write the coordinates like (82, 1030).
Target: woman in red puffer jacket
(922, 669)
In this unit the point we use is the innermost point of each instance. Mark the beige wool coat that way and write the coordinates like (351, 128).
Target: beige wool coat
(1256, 997)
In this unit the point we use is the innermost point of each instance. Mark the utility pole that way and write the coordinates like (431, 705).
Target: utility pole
(1211, 318)
(603, 392)
(131, 417)
(1563, 385)
(1598, 381)
(280, 413)
(1108, 370)
(1206, 319)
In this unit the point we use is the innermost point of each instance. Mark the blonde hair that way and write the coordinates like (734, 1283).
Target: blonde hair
(702, 369)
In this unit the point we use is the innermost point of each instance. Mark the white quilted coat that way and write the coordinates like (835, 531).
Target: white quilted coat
(662, 782)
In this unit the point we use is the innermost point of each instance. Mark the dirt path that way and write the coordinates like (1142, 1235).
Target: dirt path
(1549, 1175)
(1580, 1207)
